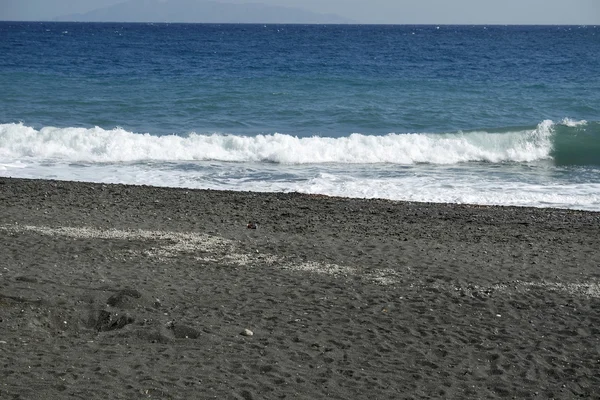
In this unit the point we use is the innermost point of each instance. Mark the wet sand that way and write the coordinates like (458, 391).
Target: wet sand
(127, 292)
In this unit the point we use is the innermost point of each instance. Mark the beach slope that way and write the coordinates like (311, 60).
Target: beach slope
(125, 292)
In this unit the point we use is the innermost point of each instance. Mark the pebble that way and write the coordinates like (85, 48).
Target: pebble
(247, 332)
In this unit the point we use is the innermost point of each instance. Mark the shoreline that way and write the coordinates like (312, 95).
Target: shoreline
(118, 291)
(312, 195)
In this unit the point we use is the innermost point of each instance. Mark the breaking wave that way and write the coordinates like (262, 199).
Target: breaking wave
(567, 142)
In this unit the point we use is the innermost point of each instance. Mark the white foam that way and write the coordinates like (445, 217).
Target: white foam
(17, 164)
(464, 186)
(19, 142)
(573, 123)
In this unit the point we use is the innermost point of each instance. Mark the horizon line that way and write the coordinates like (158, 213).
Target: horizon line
(304, 23)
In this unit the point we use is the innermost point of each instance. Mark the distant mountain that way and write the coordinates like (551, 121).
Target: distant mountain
(202, 11)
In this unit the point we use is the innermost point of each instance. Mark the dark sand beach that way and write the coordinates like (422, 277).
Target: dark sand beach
(130, 292)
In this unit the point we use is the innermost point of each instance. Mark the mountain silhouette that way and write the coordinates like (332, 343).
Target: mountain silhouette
(202, 11)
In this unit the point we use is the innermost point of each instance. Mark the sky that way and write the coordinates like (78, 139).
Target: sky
(575, 12)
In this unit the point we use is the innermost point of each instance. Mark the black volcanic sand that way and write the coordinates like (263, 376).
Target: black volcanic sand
(125, 292)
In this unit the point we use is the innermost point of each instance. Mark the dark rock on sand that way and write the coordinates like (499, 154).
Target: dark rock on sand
(107, 321)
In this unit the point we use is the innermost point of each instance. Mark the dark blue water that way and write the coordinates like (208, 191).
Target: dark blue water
(320, 102)
(301, 80)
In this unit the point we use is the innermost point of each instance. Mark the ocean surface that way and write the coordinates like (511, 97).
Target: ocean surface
(506, 115)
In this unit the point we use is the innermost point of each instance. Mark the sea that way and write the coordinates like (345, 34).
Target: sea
(489, 115)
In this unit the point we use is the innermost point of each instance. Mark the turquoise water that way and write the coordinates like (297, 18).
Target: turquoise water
(504, 115)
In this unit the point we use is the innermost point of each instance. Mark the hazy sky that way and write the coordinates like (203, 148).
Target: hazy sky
(581, 12)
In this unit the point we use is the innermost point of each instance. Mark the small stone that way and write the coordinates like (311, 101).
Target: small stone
(247, 332)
